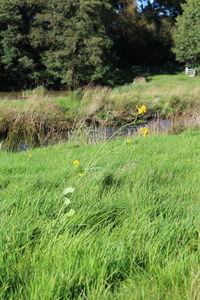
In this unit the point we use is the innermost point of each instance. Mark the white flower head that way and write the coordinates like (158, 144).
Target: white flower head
(69, 190)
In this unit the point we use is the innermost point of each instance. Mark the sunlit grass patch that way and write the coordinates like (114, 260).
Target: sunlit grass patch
(129, 228)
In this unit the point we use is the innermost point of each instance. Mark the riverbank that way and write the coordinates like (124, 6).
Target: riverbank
(129, 230)
(42, 118)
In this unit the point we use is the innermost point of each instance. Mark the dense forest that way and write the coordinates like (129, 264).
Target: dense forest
(71, 43)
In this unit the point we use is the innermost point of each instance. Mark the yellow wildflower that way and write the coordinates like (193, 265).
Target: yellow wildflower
(29, 155)
(144, 131)
(129, 141)
(142, 110)
(76, 163)
(80, 174)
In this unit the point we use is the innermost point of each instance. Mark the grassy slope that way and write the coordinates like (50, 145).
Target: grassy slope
(167, 94)
(163, 94)
(135, 231)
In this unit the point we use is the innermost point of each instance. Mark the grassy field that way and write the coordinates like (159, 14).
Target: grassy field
(164, 95)
(130, 230)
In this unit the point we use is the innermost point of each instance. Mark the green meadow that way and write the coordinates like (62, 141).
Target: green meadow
(165, 95)
(130, 230)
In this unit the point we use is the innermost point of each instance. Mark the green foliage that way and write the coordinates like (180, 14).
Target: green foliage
(72, 43)
(55, 42)
(141, 31)
(78, 49)
(19, 58)
(186, 36)
(172, 7)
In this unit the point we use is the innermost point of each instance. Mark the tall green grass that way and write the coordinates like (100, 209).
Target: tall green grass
(135, 231)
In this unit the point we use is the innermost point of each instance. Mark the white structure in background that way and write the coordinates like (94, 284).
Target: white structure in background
(190, 72)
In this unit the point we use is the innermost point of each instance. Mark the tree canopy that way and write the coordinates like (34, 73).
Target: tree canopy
(71, 43)
(186, 36)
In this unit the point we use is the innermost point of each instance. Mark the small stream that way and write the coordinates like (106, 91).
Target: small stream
(96, 135)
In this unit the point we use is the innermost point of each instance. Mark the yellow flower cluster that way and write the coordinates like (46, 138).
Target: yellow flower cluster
(144, 131)
(129, 141)
(76, 163)
(142, 110)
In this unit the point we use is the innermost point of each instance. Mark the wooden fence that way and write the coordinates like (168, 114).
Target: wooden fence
(190, 72)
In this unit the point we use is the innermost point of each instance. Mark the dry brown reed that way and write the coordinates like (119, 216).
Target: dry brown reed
(34, 124)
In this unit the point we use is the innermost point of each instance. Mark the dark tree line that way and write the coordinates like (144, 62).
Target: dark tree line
(71, 43)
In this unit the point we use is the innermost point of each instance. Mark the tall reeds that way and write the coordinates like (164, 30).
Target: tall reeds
(34, 124)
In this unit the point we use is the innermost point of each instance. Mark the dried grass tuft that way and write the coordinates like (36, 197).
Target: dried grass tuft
(35, 124)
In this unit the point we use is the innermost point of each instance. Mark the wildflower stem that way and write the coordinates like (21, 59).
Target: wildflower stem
(100, 149)
(105, 155)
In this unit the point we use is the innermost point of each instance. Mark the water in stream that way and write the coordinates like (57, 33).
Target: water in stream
(115, 132)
